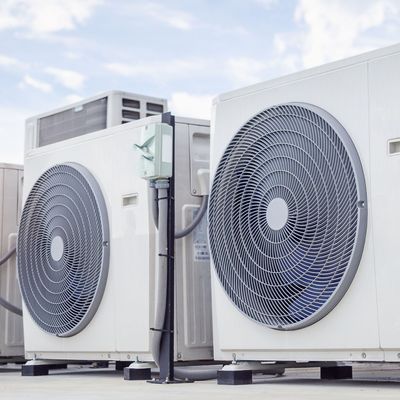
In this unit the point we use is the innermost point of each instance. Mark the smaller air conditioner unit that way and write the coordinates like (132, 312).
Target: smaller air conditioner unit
(92, 114)
(304, 215)
(87, 245)
(11, 332)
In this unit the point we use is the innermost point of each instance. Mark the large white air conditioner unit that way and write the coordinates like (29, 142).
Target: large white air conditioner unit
(304, 215)
(87, 246)
(11, 332)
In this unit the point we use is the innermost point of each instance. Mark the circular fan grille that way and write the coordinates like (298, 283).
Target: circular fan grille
(287, 216)
(62, 250)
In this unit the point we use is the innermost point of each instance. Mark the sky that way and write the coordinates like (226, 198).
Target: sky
(54, 52)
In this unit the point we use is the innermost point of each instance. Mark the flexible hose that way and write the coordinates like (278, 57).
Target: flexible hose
(160, 216)
(154, 204)
(196, 373)
(10, 307)
(178, 235)
(196, 220)
(161, 275)
(3, 302)
(8, 255)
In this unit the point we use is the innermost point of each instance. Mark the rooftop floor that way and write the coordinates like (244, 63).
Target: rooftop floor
(371, 381)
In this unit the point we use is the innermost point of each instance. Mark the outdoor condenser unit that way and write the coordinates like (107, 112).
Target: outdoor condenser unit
(304, 215)
(11, 333)
(87, 245)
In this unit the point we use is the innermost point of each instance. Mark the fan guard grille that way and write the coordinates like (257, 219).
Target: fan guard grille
(62, 250)
(287, 216)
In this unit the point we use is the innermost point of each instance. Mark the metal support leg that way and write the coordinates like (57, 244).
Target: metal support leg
(340, 372)
(235, 374)
(120, 365)
(41, 367)
(241, 372)
(138, 371)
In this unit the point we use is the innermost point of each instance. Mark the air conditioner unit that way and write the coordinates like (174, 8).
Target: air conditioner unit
(304, 215)
(11, 332)
(92, 114)
(87, 247)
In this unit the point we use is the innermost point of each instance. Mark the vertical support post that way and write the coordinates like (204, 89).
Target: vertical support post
(167, 341)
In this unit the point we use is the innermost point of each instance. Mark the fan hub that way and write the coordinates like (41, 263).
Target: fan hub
(57, 248)
(277, 213)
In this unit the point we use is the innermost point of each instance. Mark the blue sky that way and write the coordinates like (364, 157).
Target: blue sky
(53, 52)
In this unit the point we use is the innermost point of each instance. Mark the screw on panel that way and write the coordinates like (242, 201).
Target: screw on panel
(363, 355)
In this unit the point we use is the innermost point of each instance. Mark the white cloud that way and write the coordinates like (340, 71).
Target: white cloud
(122, 69)
(157, 70)
(335, 29)
(72, 55)
(268, 4)
(36, 84)
(246, 71)
(45, 16)
(69, 79)
(188, 105)
(7, 61)
(174, 18)
(71, 98)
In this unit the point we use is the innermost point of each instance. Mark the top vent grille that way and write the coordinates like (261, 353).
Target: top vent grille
(89, 117)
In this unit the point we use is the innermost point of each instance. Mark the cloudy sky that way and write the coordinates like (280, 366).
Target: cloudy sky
(53, 52)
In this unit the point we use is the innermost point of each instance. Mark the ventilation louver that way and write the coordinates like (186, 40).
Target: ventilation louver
(287, 216)
(63, 251)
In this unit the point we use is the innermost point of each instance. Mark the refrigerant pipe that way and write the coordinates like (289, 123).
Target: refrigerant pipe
(161, 188)
(3, 302)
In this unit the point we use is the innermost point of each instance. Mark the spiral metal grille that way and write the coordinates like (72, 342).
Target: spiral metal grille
(287, 216)
(62, 249)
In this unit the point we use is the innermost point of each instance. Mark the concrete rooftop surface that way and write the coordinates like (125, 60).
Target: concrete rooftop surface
(373, 381)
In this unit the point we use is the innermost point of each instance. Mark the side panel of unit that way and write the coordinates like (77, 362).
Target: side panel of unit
(384, 82)
(351, 329)
(11, 330)
(193, 287)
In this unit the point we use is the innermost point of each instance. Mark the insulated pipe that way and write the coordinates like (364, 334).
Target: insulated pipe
(154, 204)
(3, 302)
(161, 270)
(10, 307)
(160, 216)
(8, 255)
(196, 374)
(196, 220)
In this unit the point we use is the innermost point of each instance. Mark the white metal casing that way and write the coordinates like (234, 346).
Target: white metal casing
(362, 93)
(11, 330)
(120, 329)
